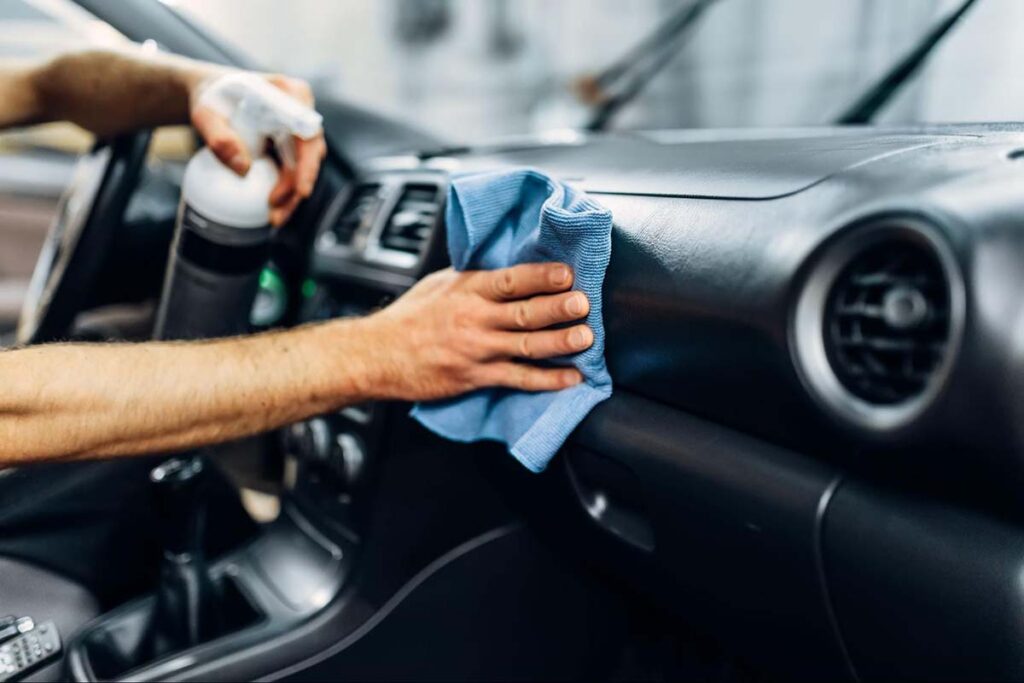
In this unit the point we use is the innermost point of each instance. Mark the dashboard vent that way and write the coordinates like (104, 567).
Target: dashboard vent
(412, 220)
(887, 321)
(358, 213)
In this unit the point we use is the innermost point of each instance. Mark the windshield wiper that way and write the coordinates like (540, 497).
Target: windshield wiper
(868, 104)
(649, 57)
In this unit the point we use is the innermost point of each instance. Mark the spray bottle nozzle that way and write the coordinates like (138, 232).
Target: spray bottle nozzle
(258, 110)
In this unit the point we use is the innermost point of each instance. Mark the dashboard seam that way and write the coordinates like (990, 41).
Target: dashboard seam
(764, 198)
(819, 560)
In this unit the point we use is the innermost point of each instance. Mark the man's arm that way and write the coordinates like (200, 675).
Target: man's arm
(452, 333)
(102, 91)
(109, 93)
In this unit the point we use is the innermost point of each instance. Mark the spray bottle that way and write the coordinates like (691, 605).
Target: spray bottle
(222, 236)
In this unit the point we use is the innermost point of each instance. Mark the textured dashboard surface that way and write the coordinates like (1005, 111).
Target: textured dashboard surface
(702, 284)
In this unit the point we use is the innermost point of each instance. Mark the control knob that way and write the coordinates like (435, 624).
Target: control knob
(315, 442)
(311, 440)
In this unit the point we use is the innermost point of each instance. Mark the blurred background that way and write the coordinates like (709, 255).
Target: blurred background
(479, 68)
(471, 70)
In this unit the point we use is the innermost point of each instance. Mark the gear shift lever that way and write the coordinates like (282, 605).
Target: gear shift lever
(186, 611)
(189, 607)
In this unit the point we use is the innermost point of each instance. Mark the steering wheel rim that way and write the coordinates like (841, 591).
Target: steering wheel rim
(79, 237)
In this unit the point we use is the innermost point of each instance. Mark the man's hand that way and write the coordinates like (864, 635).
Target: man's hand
(455, 332)
(293, 184)
(451, 333)
(110, 93)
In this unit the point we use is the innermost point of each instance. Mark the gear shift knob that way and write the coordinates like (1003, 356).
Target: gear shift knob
(186, 611)
(180, 486)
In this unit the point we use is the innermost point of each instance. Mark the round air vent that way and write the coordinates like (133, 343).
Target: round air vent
(886, 324)
(878, 320)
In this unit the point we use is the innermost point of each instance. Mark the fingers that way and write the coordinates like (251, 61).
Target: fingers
(222, 140)
(300, 90)
(458, 331)
(523, 281)
(543, 344)
(528, 377)
(283, 198)
(541, 311)
(523, 323)
(284, 188)
(296, 184)
(280, 215)
(309, 154)
(293, 184)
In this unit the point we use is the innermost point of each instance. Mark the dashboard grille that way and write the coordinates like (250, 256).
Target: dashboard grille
(412, 220)
(358, 213)
(887, 321)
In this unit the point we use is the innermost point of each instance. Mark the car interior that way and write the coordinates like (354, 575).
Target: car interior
(809, 467)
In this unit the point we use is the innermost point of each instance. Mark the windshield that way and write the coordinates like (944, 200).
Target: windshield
(475, 69)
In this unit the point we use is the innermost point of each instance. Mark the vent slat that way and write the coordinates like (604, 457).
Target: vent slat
(889, 280)
(412, 221)
(358, 213)
(885, 344)
(875, 354)
(862, 310)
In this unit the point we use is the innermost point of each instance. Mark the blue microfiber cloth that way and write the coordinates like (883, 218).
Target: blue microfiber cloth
(499, 219)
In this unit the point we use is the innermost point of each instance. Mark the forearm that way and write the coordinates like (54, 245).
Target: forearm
(104, 92)
(70, 401)
(450, 334)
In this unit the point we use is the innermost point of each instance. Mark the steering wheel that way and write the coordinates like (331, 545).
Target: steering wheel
(89, 211)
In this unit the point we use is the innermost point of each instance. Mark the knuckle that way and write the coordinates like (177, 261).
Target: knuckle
(450, 362)
(473, 346)
(462, 322)
(435, 279)
(472, 378)
(304, 91)
(458, 371)
(522, 376)
(525, 347)
(440, 278)
(504, 283)
(543, 380)
(540, 380)
(521, 315)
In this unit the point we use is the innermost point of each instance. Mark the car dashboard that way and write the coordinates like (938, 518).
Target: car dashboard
(815, 342)
(759, 280)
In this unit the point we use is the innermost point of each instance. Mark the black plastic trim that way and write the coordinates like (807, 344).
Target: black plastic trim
(736, 522)
(404, 592)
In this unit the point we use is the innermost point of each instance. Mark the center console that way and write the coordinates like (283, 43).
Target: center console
(203, 612)
(394, 557)
(374, 241)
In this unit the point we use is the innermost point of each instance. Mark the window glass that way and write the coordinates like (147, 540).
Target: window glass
(477, 69)
(36, 163)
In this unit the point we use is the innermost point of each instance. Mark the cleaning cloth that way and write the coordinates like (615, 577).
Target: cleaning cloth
(503, 218)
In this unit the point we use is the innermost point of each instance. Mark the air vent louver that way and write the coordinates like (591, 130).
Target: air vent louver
(358, 213)
(412, 220)
(887, 321)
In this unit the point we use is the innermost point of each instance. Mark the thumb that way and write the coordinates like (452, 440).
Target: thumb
(222, 139)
